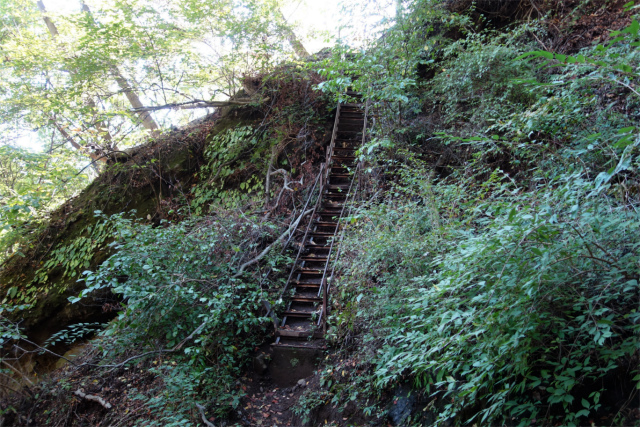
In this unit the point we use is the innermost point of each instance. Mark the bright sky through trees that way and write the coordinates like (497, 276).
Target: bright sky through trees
(316, 24)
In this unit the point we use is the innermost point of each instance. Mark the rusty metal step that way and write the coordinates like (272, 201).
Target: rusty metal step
(307, 283)
(333, 207)
(331, 213)
(289, 333)
(335, 196)
(302, 314)
(310, 271)
(306, 293)
(290, 343)
(320, 250)
(309, 258)
(296, 298)
(326, 223)
(338, 186)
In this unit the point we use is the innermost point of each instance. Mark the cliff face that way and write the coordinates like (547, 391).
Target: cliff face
(145, 182)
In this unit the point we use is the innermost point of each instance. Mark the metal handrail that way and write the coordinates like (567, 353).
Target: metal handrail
(306, 233)
(323, 282)
(324, 286)
(322, 166)
(332, 144)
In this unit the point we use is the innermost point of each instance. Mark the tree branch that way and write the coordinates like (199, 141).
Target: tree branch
(266, 250)
(198, 103)
(287, 178)
(204, 418)
(98, 399)
(117, 365)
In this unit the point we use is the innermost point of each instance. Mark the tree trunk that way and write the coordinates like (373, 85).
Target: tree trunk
(291, 37)
(144, 116)
(50, 25)
(99, 124)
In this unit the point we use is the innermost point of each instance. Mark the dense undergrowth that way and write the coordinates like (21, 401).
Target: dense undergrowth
(194, 283)
(493, 266)
(503, 259)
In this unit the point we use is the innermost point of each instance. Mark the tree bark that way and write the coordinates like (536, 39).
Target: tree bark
(291, 37)
(50, 25)
(100, 125)
(136, 105)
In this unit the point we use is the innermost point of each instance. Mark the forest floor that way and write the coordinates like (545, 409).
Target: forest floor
(54, 400)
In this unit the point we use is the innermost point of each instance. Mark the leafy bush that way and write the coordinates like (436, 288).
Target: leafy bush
(530, 317)
(181, 296)
(477, 81)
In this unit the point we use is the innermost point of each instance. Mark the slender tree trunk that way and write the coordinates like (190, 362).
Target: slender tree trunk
(95, 157)
(145, 117)
(50, 25)
(99, 124)
(291, 37)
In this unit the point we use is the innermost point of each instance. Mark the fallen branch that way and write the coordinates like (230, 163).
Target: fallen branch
(204, 418)
(22, 375)
(191, 105)
(266, 250)
(117, 365)
(98, 399)
(287, 179)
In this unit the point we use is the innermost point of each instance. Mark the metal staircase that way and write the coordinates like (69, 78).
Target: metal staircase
(304, 322)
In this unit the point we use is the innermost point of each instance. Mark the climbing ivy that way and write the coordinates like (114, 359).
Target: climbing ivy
(232, 171)
(67, 262)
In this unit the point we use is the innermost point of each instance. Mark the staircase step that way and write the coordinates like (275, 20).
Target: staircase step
(306, 284)
(290, 343)
(297, 334)
(326, 223)
(310, 271)
(305, 299)
(304, 314)
(313, 258)
(322, 235)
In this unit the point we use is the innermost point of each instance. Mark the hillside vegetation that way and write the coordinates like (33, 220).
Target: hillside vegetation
(491, 266)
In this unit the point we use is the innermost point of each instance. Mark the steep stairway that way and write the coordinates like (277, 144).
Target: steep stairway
(306, 292)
